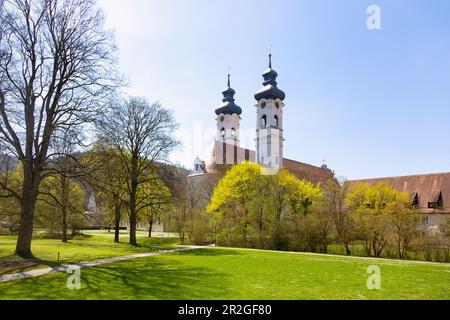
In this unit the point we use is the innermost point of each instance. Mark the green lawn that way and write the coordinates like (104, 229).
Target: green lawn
(91, 246)
(216, 273)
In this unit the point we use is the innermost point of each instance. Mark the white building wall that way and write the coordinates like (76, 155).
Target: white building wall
(269, 138)
(231, 125)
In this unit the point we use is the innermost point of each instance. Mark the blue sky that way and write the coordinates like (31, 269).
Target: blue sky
(372, 103)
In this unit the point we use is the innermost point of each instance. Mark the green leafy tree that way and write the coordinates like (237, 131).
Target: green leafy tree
(375, 209)
(404, 222)
(142, 134)
(334, 201)
(155, 201)
(233, 198)
(291, 201)
(10, 190)
(255, 210)
(64, 198)
(109, 181)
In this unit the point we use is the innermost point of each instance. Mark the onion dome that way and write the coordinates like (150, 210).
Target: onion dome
(270, 89)
(228, 106)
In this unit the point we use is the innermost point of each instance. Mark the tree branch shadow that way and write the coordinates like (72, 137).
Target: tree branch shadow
(140, 279)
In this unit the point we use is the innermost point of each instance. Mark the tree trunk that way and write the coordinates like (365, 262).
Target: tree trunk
(133, 198)
(150, 223)
(133, 240)
(23, 246)
(29, 196)
(260, 225)
(117, 215)
(64, 224)
(64, 198)
(347, 249)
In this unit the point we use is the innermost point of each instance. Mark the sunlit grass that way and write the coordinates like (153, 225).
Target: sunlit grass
(91, 245)
(216, 273)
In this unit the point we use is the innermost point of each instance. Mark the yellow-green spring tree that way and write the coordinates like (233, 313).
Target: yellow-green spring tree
(61, 205)
(250, 209)
(382, 215)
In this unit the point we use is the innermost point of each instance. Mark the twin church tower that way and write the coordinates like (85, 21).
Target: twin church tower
(269, 115)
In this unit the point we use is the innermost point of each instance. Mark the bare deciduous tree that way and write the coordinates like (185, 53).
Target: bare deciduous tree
(56, 70)
(335, 195)
(143, 135)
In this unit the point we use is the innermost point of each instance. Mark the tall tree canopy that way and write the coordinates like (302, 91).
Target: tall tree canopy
(142, 134)
(250, 208)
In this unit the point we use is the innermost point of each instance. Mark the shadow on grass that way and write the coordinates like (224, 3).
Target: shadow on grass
(58, 237)
(15, 264)
(143, 279)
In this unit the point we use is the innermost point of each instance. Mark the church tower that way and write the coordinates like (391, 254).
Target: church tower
(269, 127)
(228, 118)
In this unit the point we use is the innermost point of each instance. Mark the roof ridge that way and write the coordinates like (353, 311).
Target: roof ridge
(304, 163)
(284, 159)
(404, 176)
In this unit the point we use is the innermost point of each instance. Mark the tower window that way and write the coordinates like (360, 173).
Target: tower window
(275, 121)
(264, 121)
(263, 104)
(223, 133)
(277, 105)
(233, 133)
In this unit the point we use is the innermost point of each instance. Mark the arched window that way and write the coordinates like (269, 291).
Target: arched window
(263, 121)
(275, 121)
(233, 133)
(223, 133)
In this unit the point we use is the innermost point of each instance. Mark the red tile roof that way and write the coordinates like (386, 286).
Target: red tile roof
(238, 155)
(427, 187)
(308, 172)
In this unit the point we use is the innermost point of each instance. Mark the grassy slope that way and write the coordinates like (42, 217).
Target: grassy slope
(241, 274)
(93, 246)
